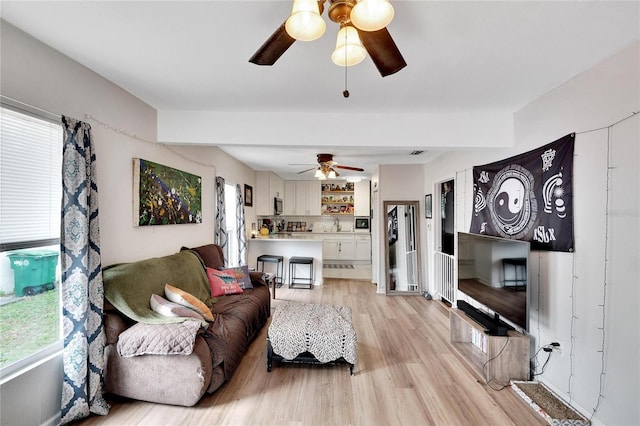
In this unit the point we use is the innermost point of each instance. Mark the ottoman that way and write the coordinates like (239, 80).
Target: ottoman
(312, 333)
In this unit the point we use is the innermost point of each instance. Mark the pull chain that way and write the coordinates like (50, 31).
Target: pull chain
(345, 92)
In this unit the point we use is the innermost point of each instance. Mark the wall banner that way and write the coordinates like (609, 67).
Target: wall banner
(528, 197)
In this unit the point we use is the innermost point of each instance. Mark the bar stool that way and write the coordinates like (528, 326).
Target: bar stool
(278, 260)
(302, 282)
(519, 265)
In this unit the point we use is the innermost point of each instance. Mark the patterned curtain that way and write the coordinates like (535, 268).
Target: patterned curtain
(81, 288)
(220, 225)
(240, 225)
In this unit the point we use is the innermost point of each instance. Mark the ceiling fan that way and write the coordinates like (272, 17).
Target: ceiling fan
(361, 20)
(326, 168)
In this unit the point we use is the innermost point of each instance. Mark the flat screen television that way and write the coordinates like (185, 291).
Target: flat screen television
(494, 273)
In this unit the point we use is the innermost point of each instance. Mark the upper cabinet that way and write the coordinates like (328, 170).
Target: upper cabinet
(312, 197)
(307, 198)
(301, 198)
(362, 196)
(269, 186)
(290, 197)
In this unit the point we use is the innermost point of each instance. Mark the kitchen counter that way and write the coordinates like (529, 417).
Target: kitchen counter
(302, 244)
(305, 235)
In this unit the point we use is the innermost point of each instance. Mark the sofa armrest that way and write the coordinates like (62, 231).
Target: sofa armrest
(257, 279)
(163, 379)
(114, 324)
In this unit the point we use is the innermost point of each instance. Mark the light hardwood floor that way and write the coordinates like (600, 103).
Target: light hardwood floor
(407, 374)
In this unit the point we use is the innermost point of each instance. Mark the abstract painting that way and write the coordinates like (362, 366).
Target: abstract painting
(163, 195)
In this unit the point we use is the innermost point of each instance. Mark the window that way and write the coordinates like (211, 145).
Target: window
(30, 200)
(230, 201)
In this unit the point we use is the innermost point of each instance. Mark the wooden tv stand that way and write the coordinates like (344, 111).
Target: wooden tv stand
(510, 363)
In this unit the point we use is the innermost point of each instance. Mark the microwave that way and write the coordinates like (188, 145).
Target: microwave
(277, 206)
(362, 223)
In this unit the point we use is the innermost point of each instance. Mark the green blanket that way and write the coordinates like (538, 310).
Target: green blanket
(129, 286)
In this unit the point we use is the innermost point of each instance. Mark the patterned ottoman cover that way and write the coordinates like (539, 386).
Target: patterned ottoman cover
(324, 331)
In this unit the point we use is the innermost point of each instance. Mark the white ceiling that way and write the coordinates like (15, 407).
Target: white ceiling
(463, 57)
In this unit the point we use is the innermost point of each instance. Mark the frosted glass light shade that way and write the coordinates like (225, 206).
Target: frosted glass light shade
(372, 15)
(332, 174)
(305, 22)
(349, 50)
(318, 174)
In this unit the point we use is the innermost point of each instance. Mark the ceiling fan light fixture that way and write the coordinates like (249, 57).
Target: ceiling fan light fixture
(318, 173)
(349, 50)
(372, 15)
(332, 174)
(305, 22)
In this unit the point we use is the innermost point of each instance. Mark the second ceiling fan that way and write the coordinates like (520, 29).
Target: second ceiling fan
(362, 20)
(327, 166)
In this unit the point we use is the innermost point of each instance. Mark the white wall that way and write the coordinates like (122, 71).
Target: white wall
(569, 289)
(395, 183)
(39, 76)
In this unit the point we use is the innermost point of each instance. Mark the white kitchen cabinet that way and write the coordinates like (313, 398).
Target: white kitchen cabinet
(363, 247)
(269, 186)
(301, 198)
(362, 198)
(307, 196)
(338, 247)
(290, 199)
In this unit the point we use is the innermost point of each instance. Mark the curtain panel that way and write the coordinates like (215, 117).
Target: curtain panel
(220, 225)
(241, 226)
(81, 287)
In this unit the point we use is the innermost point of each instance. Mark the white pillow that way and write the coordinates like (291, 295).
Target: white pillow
(169, 309)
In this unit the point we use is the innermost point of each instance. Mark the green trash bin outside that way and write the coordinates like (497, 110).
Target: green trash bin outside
(34, 270)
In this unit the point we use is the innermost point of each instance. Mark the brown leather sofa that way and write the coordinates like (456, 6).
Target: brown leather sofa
(180, 379)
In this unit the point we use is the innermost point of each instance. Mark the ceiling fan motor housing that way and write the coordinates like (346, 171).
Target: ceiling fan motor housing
(325, 158)
(340, 10)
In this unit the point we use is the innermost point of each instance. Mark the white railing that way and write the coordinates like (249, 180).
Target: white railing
(444, 276)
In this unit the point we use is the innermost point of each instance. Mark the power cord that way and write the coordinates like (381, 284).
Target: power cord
(549, 350)
(484, 366)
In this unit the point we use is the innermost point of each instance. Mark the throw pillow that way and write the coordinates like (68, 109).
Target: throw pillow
(158, 339)
(184, 298)
(222, 283)
(242, 276)
(169, 309)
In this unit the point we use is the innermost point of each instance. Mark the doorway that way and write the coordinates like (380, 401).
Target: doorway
(447, 216)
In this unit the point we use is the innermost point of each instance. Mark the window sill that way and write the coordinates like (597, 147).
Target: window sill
(24, 365)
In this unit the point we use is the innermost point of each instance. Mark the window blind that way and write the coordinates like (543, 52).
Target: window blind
(30, 178)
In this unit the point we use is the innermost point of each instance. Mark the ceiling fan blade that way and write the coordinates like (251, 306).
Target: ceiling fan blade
(383, 51)
(308, 170)
(273, 48)
(355, 169)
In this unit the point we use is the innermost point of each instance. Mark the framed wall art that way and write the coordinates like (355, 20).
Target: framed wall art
(248, 195)
(428, 206)
(163, 195)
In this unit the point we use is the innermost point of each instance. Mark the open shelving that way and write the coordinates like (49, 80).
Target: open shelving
(337, 199)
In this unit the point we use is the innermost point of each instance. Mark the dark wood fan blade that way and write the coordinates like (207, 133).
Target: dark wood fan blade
(383, 51)
(273, 48)
(355, 169)
(308, 170)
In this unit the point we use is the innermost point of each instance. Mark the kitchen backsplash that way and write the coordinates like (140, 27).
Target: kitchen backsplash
(308, 223)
